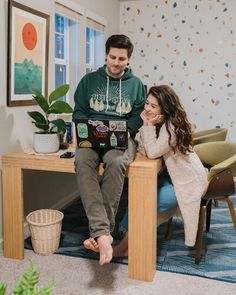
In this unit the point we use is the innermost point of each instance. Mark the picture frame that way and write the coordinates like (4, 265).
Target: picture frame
(28, 45)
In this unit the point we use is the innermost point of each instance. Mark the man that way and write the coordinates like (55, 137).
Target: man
(111, 92)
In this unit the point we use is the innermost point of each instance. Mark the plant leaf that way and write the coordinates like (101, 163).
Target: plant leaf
(37, 117)
(44, 127)
(27, 281)
(48, 289)
(60, 107)
(41, 101)
(60, 124)
(58, 92)
(3, 288)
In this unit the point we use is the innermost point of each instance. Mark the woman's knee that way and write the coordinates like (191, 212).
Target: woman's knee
(166, 198)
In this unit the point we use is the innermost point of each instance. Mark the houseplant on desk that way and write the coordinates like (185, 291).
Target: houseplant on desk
(46, 140)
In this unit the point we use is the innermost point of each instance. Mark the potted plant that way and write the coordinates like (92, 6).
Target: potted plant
(28, 284)
(47, 140)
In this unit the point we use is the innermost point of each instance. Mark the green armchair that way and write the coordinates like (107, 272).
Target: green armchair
(220, 158)
(216, 134)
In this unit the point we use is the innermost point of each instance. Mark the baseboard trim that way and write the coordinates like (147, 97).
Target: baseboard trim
(67, 200)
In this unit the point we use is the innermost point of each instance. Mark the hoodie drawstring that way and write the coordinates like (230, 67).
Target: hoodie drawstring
(120, 96)
(107, 92)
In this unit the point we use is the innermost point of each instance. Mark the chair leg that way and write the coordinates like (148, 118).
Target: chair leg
(216, 203)
(168, 228)
(231, 210)
(198, 244)
(208, 215)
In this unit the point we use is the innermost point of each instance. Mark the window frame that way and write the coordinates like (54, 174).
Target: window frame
(94, 56)
(65, 60)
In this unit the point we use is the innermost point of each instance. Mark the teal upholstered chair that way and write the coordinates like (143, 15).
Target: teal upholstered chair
(216, 134)
(220, 158)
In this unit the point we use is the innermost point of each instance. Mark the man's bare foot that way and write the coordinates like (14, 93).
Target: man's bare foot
(121, 249)
(105, 249)
(91, 244)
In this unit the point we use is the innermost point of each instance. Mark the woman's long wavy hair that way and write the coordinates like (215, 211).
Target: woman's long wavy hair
(175, 114)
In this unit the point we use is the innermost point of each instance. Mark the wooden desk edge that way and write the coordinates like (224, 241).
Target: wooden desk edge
(55, 163)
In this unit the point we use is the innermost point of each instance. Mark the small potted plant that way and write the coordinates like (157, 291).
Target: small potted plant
(47, 139)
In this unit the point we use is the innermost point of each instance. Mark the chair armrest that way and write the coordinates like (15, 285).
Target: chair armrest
(229, 163)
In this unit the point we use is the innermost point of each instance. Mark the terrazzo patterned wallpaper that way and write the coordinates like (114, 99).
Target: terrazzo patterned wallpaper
(190, 45)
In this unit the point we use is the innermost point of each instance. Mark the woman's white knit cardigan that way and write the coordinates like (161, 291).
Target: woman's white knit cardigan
(187, 173)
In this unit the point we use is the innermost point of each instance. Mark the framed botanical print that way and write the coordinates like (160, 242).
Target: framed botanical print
(28, 42)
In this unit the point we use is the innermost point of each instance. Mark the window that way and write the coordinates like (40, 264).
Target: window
(89, 50)
(61, 51)
(79, 44)
(67, 48)
(94, 45)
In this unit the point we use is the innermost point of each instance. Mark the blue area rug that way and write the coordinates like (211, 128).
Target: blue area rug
(218, 255)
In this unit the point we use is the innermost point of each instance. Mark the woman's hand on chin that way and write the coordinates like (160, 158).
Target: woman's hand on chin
(143, 115)
(158, 119)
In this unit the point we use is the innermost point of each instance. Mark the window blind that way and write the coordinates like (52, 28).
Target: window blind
(95, 25)
(67, 11)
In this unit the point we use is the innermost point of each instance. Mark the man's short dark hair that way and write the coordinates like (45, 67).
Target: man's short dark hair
(119, 41)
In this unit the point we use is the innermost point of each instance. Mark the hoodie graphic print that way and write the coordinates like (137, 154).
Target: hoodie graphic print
(99, 96)
(111, 99)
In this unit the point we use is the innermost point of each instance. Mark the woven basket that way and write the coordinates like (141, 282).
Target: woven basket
(45, 229)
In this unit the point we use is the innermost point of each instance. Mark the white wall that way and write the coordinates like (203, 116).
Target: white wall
(190, 45)
(109, 9)
(15, 127)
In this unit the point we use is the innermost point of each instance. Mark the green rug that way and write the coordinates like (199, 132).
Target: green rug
(218, 256)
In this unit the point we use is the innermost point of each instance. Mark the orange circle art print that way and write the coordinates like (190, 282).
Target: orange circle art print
(29, 36)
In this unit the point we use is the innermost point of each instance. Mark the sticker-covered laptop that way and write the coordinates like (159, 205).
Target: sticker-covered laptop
(102, 134)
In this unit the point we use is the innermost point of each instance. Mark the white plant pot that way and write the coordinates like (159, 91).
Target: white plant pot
(45, 143)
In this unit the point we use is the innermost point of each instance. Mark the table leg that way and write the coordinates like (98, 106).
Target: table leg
(142, 222)
(13, 214)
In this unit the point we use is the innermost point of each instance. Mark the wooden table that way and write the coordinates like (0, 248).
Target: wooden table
(142, 175)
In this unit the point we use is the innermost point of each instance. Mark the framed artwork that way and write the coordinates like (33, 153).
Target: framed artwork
(28, 40)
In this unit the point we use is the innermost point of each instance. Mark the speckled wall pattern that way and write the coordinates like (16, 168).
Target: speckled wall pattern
(190, 45)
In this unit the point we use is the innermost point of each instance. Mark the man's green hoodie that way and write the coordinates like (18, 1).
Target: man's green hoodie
(99, 96)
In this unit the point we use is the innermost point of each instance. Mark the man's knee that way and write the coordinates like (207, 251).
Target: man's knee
(85, 157)
(118, 163)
